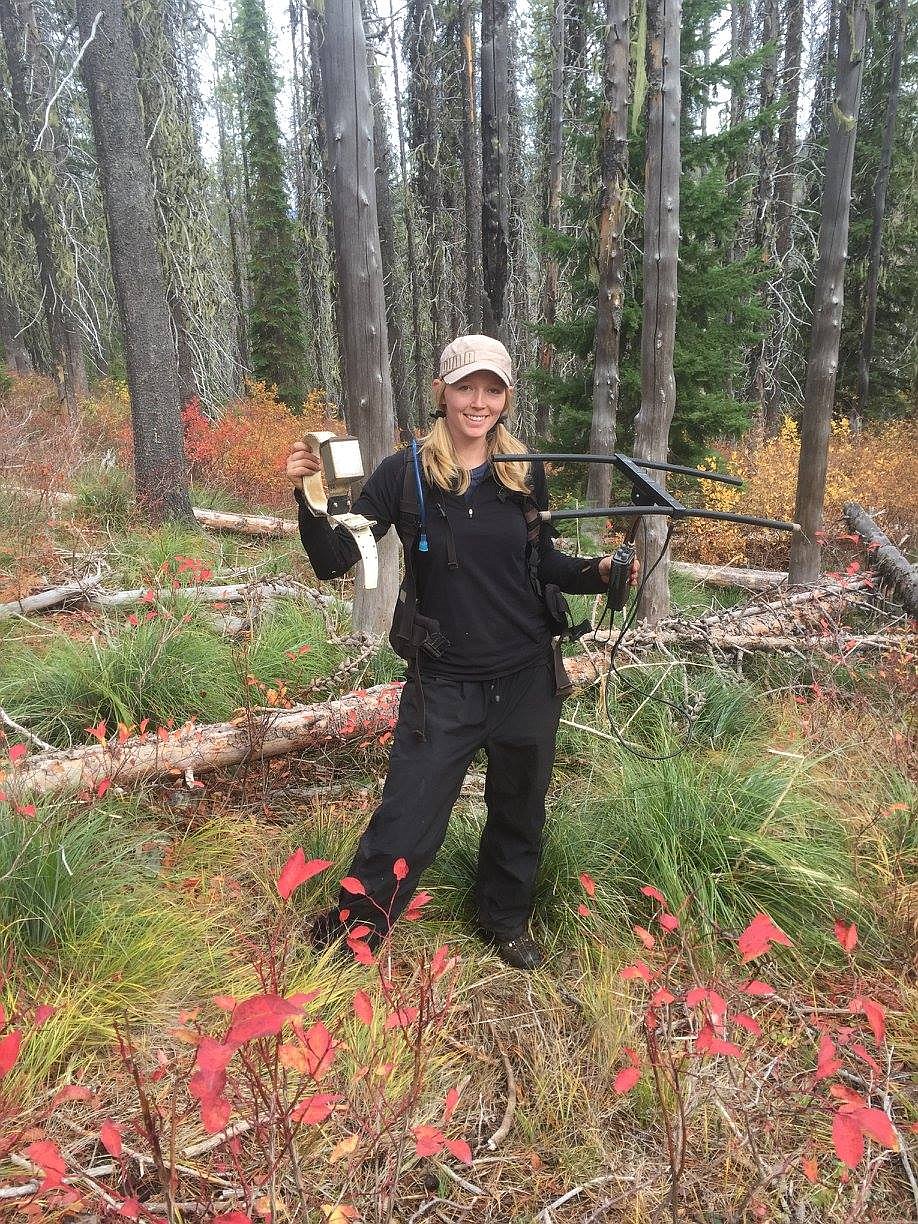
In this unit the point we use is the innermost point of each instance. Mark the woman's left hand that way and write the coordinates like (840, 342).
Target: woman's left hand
(605, 569)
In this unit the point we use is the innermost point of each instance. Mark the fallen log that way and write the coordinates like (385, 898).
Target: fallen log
(237, 592)
(363, 714)
(731, 576)
(892, 565)
(54, 597)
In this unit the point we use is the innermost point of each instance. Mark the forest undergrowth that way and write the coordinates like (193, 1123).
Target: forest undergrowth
(725, 1026)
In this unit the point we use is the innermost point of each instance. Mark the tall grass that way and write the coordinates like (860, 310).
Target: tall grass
(104, 494)
(291, 643)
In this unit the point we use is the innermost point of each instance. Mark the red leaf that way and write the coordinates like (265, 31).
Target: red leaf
(72, 1092)
(662, 997)
(352, 885)
(707, 1042)
(102, 787)
(460, 1149)
(361, 950)
(47, 1156)
(232, 1217)
(626, 1079)
(669, 922)
(852, 1099)
(584, 911)
(415, 905)
(701, 994)
(360, 931)
(402, 1018)
(225, 1002)
(848, 1139)
(649, 891)
(810, 1169)
(260, 1016)
(314, 1109)
(877, 1125)
(111, 1138)
(645, 937)
(589, 884)
(320, 1048)
(363, 1007)
(826, 1063)
(846, 935)
(9, 1051)
(747, 1022)
(875, 1013)
(439, 962)
(297, 871)
(449, 1105)
(755, 987)
(637, 970)
(98, 732)
(209, 1081)
(400, 869)
(130, 1208)
(758, 937)
(428, 1140)
(18, 751)
(862, 1053)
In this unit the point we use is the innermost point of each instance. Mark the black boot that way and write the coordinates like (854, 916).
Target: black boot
(521, 951)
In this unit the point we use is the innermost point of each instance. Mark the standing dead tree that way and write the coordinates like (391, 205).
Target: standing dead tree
(829, 294)
(613, 158)
(495, 154)
(38, 175)
(551, 215)
(110, 75)
(471, 173)
(879, 211)
(661, 251)
(361, 297)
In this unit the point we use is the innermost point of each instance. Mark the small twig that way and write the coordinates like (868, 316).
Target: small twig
(504, 1129)
(208, 1145)
(545, 1213)
(11, 722)
(460, 1181)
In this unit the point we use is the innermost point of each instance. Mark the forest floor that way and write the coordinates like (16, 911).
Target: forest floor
(678, 1057)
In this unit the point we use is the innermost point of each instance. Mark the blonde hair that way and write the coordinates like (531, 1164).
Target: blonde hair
(442, 466)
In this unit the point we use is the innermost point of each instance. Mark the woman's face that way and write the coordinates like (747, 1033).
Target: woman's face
(473, 404)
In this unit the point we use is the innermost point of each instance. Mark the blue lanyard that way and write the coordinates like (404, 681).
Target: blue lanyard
(422, 509)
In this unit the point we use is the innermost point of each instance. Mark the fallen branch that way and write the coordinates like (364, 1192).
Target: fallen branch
(507, 1121)
(52, 598)
(892, 565)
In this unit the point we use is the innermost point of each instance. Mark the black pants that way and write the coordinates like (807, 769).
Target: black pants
(515, 720)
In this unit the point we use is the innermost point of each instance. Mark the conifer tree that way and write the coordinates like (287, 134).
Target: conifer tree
(275, 323)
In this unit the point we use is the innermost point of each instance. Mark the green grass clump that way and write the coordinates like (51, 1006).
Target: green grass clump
(150, 557)
(159, 670)
(291, 643)
(104, 494)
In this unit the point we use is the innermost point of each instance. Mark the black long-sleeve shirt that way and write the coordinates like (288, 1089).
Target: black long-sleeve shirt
(495, 622)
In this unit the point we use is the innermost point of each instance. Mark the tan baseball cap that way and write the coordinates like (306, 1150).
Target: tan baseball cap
(468, 353)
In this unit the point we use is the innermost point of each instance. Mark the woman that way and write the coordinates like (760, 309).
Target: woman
(479, 564)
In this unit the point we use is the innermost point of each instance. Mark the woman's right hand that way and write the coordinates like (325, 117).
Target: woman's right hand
(301, 462)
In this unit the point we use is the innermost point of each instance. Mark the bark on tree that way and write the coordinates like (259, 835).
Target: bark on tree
(551, 216)
(26, 79)
(237, 255)
(661, 250)
(760, 373)
(891, 564)
(14, 349)
(879, 211)
(471, 174)
(495, 154)
(610, 299)
(785, 181)
(414, 273)
(828, 298)
(361, 297)
(110, 75)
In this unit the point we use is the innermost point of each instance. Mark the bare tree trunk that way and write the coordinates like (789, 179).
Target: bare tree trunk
(661, 251)
(495, 152)
(13, 346)
(785, 180)
(610, 298)
(472, 177)
(763, 222)
(828, 298)
(236, 254)
(110, 76)
(414, 273)
(879, 210)
(41, 190)
(551, 216)
(361, 296)
(382, 156)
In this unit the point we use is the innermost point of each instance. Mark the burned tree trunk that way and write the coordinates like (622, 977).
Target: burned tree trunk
(110, 75)
(495, 155)
(361, 296)
(610, 299)
(471, 174)
(661, 250)
(879, 210)
(551, 216)
(828, 297)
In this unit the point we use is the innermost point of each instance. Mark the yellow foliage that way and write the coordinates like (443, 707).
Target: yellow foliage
(877, 467)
